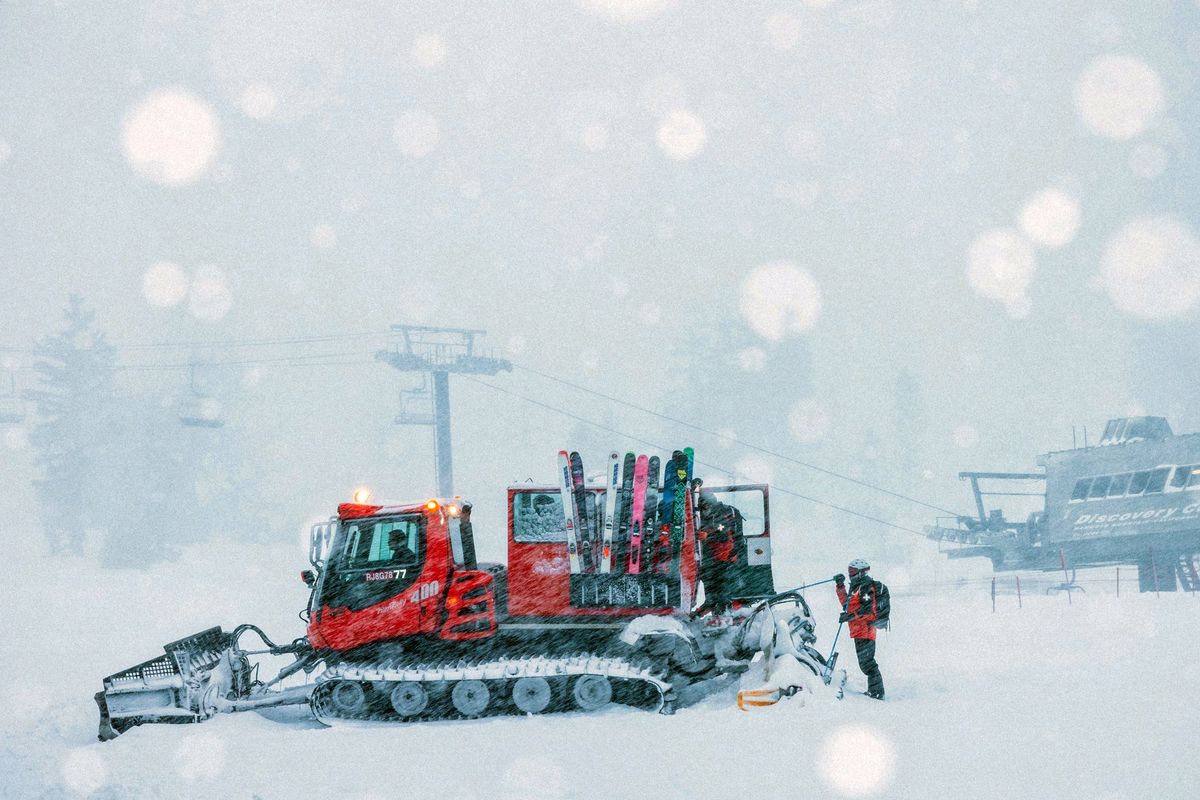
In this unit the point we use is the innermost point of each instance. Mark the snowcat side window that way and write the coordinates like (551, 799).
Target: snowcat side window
(1100, 487)
(1137, 484)
(1119, 484)
(1081, 489)
(1110, 430)
(1158, 479)
(538, 518)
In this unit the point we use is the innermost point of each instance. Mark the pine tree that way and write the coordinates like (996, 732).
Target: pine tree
(75, 403)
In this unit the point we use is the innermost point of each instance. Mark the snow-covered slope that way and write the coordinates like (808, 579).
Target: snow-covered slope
(1091, 700)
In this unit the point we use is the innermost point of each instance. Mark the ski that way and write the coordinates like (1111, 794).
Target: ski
(637, 514)
(650, 521)
(583, 531)
(624, 496)
(679, 464)
(666, 507)
(565, 488)
(610, 509)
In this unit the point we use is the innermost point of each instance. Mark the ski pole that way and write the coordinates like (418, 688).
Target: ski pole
(836, 634)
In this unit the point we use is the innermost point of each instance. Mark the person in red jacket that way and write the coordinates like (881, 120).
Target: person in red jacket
(859, 608)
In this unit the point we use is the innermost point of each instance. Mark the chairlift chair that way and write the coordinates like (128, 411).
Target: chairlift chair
(199, 410)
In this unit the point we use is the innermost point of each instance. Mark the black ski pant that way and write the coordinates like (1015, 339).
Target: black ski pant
(865, 649)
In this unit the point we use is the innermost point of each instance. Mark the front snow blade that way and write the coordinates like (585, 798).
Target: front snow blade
(169, 688)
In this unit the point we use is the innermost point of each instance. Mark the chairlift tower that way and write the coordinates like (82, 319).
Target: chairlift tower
(438, 353)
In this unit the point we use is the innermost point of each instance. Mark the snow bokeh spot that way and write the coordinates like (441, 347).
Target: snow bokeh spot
(415, 133)
(782, 31)
(1151, 268)
(323, 236)
(681, 134)
(856, 761)
(164, 284)
(170, 137)
(752, 359)
(595, 137)
(1050, 218)
(1000, 266)
(83, 771)
(780, 298)
(628, 10)
(809, 421)
(1148, 160)
(258, 101)
(16, 438)
(965, 436)
(429, 50)
(201, 757)
(752, 469)
(210, 298)
(1119, 96)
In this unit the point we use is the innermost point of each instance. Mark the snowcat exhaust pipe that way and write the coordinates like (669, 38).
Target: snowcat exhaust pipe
(198, 676)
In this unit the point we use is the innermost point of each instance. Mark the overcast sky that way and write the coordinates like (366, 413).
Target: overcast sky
(795, 205)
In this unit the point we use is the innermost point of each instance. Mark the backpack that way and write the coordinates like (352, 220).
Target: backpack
(883, 606)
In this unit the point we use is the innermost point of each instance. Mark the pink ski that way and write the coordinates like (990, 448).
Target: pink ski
(637, 513)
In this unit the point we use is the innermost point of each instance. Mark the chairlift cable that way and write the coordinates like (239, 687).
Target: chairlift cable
(631, 437)
(735, 440)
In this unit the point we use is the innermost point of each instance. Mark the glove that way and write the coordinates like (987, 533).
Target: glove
(845, 617)
(839, 579)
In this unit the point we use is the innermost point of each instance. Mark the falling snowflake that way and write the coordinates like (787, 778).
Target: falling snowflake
(1050, 218)
(415, 133)
(1151, 268)
(210, 298)
(429, 50)
(628, 10)
(965, 436)
(856, 760)
(164, 284)
(681, 134)
(1000, 266)
(1119, 96)
(170, 137)
(258, 101)
(323, 236)
(809, 421)
(780, 298)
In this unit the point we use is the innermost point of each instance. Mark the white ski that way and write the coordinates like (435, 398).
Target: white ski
(567, 489)
(610, 510)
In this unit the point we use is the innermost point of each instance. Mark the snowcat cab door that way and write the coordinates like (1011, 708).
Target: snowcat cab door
(750, 575)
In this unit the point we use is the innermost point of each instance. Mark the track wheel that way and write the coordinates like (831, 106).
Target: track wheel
(409, 698)
(349, 698)
(470, 698)
(531, 695)
(592, 692)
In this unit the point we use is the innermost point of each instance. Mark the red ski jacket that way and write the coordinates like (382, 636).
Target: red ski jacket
(861, 608)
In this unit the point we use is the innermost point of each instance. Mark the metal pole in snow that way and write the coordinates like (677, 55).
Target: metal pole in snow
(1062, 557)
(993, 594)
(1019, 603)
(1154, 567)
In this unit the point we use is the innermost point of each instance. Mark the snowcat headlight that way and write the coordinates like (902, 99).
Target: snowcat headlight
(432, 505)
(452, 510)
(361, 495)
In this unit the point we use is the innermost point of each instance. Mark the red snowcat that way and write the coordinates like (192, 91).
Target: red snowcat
(405, 624)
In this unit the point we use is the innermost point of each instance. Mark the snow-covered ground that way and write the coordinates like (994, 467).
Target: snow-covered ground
(1094, 699)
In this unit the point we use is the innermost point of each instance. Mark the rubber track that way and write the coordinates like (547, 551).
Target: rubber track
(498, 674)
